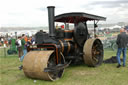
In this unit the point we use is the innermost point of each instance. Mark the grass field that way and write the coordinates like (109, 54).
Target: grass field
(106, 74)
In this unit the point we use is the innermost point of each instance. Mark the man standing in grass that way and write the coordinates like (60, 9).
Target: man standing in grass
(122, 41)
(19, 47)
(24, 47)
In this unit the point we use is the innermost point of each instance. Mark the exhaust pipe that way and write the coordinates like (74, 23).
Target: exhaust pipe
(51, 21)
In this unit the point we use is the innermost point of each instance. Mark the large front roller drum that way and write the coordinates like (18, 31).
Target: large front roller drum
(35, 62)
(93, 52)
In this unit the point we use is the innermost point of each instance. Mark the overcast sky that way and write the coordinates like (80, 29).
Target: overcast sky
(34, 12)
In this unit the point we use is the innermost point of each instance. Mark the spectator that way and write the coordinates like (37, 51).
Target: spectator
(62, 26)
(24, 47)
(126, 29)
(19, 47)
(29, 41)
(2, 40)
(6, 42)
(33, 40)
(57, 26)
(25, 38)
(122, 41)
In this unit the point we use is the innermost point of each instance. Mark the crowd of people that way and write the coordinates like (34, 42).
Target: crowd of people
(22, 43)
(5, 41)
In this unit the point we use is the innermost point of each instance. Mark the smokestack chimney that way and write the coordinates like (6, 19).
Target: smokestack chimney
(51, 20)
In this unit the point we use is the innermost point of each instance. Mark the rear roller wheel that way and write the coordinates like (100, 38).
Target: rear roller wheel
(93, 52)
(35, 62)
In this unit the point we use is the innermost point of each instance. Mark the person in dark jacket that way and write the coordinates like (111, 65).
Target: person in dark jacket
(122, 41)
(126, 29)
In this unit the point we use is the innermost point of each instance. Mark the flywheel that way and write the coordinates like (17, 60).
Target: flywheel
(93, 52)
(35, 63)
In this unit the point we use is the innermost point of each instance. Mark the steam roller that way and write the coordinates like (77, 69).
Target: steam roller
(56, 50)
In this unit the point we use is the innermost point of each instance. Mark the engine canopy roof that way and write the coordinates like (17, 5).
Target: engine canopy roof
(75, 17)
